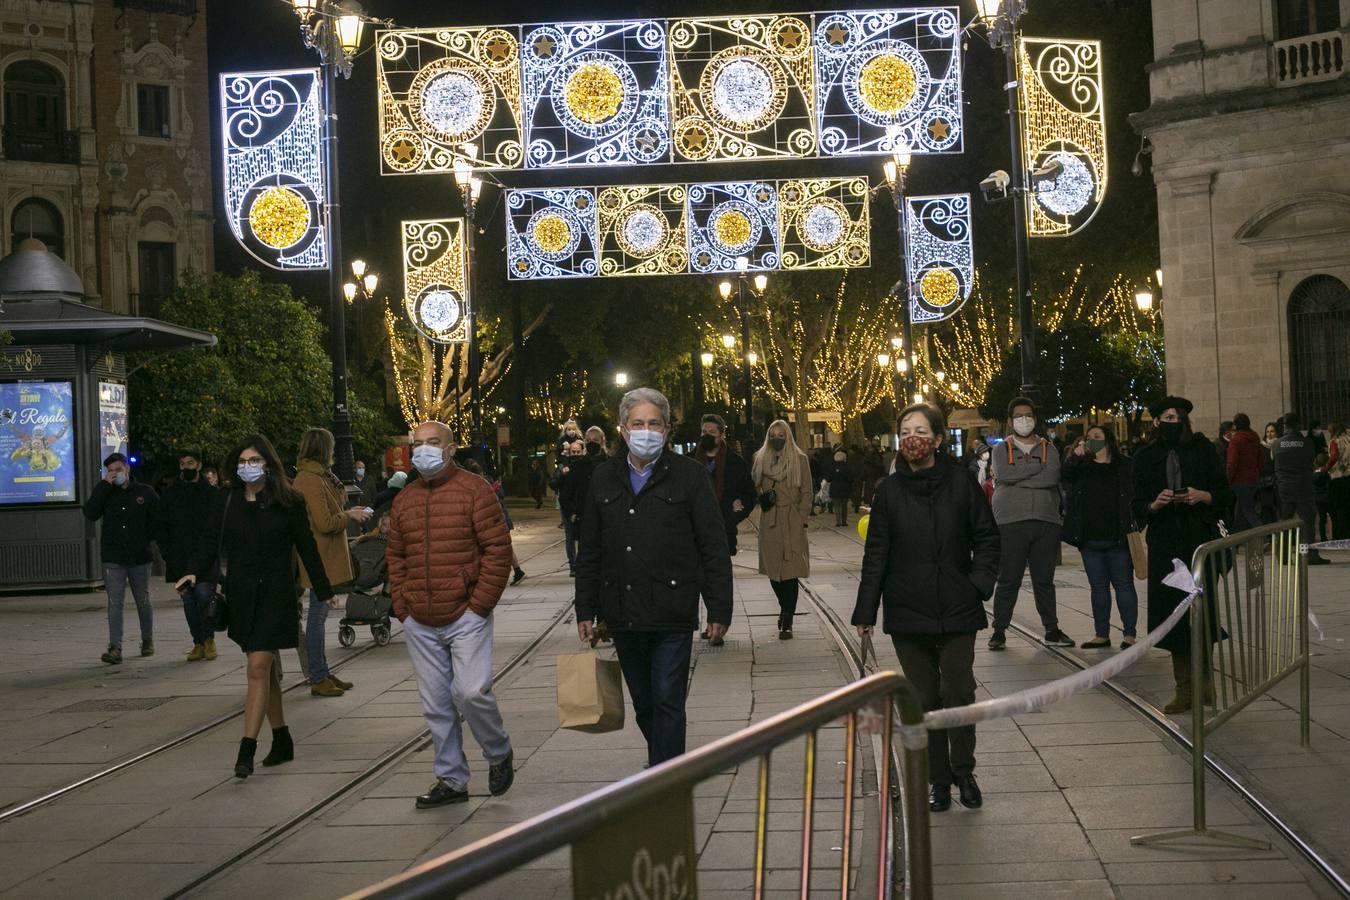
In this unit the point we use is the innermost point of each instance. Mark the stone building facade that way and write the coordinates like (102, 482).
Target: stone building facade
(106, 150)
(1249, 129)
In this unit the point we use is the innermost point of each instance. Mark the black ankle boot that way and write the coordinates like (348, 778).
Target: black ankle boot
(283, 748)
(243, 766)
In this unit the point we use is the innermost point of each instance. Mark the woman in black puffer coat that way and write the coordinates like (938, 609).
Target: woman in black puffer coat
(930, 563)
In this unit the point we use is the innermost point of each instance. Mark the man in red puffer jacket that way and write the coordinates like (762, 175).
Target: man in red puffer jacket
(449, 555)
(1244, 472)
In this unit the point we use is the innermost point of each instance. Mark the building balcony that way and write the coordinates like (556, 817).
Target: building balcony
(1303, 60)
(42, 147)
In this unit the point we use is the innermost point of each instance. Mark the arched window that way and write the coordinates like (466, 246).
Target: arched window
(1319, 348)
(35, 115)
(37, 218)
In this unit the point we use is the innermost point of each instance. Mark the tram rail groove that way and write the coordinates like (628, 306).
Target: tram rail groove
(390, 758)
(26, 806)
(1213, 764)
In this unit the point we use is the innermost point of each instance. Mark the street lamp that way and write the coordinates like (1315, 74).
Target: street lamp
(706, 358)
(333, 28)
(728, 341)
(1000, 18)
(896, 169)
(621, 379)
(1143, 299)
(883, 359)
(470, 188)
(349, 291)
(359, 268)
(370, 282)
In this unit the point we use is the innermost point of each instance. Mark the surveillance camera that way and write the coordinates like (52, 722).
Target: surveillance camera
(1043, 179)
(995, 187)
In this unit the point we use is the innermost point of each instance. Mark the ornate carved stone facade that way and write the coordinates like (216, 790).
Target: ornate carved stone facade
(1250, 134)
(107, 135)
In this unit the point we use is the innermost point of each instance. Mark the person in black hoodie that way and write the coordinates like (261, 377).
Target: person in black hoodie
(184, 510)
(1178, 490)
(1100, 485)
(930, 563)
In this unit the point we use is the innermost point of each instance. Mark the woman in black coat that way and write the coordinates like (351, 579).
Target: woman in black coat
(930, 563)
(1100, 513)
(1178, 490)
(259, 527)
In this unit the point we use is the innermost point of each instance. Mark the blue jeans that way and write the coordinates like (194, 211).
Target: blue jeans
(195, 603)
(656, 669)
(115, 580)
(1108, 565)
(453, 664)
(314, 637)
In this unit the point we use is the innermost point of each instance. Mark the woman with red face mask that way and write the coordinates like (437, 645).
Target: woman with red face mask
(929, 565)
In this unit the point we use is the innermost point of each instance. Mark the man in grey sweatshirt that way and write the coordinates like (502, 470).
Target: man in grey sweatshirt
(1026, 507)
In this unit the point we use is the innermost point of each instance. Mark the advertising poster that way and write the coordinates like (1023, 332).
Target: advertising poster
(37, 442)
(112, 419)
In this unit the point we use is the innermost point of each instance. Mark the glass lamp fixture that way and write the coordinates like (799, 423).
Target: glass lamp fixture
(761, 283)
(918, 398)
(902, 365)
(725, 290)
(1143, 299)
(888, 169)
(706, 358)
(350, 22)
(475, 188)
(752, 358)
(989, 9)
(742, 264)
(349, 291)
(1157, 273)
(621, 379)
(897, 342)
(370, 281)
(728, 341)
(359, 268)
(883, 359)
(463, 172)
(305, 9)
(940, 376)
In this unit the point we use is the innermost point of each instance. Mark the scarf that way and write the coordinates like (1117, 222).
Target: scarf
(775, 467)
(719, 475)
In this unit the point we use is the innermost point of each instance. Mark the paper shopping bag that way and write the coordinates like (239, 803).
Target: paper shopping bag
(590, 693)
(1138, 554)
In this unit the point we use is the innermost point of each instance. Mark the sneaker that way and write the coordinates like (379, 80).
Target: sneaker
(441, 794)
(1056, 638)
(971, 798)
(997, 640)
(325, 688)
(147, 648)
(197, 652)
(113, 655)
(785, 634)
(501, 775)
(518, 576)
(1127, 642)
(1097, 643)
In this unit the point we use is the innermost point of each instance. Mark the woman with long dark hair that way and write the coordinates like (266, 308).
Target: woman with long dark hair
(257, 529)
(930, 563)
(1100, 513)
(1178, 490)
(782, 477)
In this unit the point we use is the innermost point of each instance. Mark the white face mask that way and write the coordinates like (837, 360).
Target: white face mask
(1024, 425)
(428, 460)
(646, 445)
(251, 473)
(360, 473)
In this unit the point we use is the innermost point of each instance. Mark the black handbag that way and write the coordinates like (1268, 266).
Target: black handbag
(218, 608)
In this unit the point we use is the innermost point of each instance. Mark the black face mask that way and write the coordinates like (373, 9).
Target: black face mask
(707, 443)
(188, 474)
(777, 443)
(593, 448)
(1169, 431)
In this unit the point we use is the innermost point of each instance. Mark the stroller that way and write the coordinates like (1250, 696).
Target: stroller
(369, 602)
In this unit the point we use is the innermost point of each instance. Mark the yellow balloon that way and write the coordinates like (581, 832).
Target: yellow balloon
(862, 526)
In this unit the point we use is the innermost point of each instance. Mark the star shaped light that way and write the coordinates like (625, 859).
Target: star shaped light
(790, 36)
(938, 129)
(697, 139)
(498, 49)
(762, 195)
(647, 141)
(543, 47)
(704, 258)
(403, 150)
(837, 35)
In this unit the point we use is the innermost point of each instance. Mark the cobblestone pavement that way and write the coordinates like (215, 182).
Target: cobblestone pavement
(1065, 788)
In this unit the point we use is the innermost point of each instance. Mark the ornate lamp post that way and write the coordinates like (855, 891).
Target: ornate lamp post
(470, 189)
(364, 286)
(757, 286)
(333, 28)
(1000, 18)
(896, 170)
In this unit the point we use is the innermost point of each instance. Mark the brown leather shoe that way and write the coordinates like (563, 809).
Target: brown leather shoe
(345, 685)
(325, 688)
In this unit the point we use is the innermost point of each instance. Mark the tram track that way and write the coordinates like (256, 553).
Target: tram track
(55, 794)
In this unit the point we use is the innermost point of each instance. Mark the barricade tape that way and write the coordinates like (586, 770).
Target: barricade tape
(1035, 698)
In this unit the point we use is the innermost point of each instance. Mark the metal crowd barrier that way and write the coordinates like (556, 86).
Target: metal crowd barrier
(635, 838)
(1249, 631)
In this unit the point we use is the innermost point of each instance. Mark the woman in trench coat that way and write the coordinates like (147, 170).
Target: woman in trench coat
(782, 476)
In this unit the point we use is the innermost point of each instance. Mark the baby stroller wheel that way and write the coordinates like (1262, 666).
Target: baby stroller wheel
(346, 635)
(380, 633)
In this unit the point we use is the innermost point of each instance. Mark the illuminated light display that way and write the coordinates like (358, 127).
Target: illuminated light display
(442, 88)
(595, 93)
(882, 69)
(274, 184)
(939, 255)
(677, 90)
(434, 295)
(1063, 120)
(675, 229)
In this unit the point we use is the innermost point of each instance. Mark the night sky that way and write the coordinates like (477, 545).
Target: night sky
(1123, 237)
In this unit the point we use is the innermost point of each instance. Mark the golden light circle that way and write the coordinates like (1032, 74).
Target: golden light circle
(552, 233)
(887, 83)
(732, 228)
(939, 287)
(279, 217)
(594, 93)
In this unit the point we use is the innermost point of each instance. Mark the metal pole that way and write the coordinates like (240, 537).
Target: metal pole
(906, 329)
(475, 361)
(343, 455)
(745, 366)
(1026, 326)
(1305, 668)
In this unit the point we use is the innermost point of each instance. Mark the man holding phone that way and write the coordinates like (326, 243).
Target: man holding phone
(129, 511)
